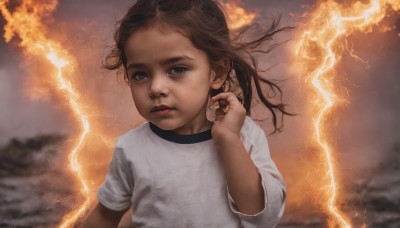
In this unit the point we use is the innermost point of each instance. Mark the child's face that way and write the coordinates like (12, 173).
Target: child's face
(170, 80)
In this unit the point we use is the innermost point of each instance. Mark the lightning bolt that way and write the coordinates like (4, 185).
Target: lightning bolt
(25, 22)
(318, 51)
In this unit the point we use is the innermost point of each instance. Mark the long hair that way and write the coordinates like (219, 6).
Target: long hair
(204, 23)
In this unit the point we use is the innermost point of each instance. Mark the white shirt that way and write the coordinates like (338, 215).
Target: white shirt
(172, 180)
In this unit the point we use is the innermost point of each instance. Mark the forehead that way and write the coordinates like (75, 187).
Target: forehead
(153, 45)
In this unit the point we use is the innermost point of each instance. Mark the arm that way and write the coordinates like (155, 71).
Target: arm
(256, 190)
(243, 179)
(103, 217)
(113, 195)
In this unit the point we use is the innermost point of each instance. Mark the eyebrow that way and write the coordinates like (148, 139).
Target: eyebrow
(163, 62)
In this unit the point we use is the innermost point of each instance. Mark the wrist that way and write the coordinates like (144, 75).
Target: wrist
(226, 137)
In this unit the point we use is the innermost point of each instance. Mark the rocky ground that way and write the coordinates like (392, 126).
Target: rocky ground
(373, 198)
(379, 193)
(34, 192)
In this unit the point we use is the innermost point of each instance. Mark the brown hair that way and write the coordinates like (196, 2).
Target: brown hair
(204, 23)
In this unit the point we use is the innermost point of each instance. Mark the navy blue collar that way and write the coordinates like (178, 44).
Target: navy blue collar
(181, 139)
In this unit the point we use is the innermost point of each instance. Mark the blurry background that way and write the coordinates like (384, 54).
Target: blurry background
(35, 129)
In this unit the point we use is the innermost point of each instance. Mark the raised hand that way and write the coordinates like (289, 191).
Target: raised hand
(229, 117)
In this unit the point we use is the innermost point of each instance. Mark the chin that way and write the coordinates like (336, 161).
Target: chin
(166, 125)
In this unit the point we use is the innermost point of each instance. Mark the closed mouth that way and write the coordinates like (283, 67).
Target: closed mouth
(160, 108)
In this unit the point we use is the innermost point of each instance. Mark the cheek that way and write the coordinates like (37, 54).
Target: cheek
(137, 94)
(133, 92)
(199, 89)
(140, 104)
(197, 93)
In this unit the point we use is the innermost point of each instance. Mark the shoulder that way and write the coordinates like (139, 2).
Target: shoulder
(135, 136)
(250, 128)
(249, 124)
(251, 133)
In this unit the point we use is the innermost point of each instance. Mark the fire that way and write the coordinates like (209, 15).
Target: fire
(319, 50)
(25, 22)
(238, 16)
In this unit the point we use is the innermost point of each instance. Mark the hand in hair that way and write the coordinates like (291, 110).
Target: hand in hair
(229, 117)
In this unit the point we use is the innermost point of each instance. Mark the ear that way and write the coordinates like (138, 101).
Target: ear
(220, 73)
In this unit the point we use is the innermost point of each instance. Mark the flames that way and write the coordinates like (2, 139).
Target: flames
(319, 49)
(237, 15)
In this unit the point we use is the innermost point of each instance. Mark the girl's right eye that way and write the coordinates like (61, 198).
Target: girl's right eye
(139, 76)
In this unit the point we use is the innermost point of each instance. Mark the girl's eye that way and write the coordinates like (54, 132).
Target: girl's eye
(178, 70)
(139, 76)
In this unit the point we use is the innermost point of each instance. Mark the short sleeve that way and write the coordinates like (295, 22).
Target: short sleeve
(115, 193)
(272, 182)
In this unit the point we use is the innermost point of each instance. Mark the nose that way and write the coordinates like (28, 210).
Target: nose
(158, 86)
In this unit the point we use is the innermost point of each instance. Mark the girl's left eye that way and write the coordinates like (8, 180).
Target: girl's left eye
(178, 70)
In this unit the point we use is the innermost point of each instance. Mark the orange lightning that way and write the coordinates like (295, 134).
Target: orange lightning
(82, 117)
(319, 50)
(25, 22)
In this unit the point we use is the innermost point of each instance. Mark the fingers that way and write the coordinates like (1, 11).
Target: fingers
(219, 114)
(223, 103)
(230, 114)
(226, 99)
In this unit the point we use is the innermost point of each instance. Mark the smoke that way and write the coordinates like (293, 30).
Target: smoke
(20, 116)
(369, 125)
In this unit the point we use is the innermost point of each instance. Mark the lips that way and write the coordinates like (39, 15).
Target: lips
(160, 108)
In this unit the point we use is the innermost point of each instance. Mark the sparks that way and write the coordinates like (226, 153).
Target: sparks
(318, 50)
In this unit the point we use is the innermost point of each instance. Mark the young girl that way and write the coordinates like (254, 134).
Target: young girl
(180, 169)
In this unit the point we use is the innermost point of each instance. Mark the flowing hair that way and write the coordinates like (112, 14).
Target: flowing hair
(204, 23)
